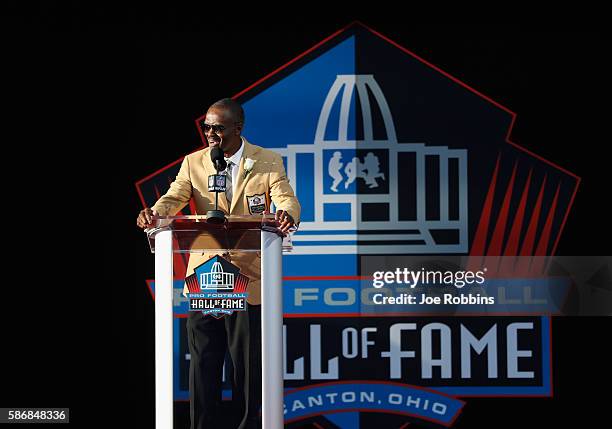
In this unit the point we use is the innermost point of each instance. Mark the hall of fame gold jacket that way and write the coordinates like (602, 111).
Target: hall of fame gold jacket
(266, 180)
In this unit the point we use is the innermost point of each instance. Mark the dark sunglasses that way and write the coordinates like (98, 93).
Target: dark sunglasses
(216, 128)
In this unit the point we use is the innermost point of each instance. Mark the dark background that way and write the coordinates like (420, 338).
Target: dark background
(90, 109)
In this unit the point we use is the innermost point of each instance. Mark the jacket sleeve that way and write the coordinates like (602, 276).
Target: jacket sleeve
(179, 193)
(281, 191)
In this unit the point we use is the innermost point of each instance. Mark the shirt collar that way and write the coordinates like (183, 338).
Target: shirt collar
(235, 158)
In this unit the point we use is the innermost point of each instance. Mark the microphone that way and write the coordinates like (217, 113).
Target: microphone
(216, 184)
(217, 158)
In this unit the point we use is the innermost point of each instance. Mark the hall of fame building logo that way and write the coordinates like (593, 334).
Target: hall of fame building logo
(356, 182)
(217, 288)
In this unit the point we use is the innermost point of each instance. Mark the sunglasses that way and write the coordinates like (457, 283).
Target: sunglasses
(216, 128)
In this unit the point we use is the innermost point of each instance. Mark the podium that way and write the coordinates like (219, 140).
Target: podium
(192, 234)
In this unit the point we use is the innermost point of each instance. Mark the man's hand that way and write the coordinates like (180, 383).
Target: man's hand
(145, 218)
(285, 219)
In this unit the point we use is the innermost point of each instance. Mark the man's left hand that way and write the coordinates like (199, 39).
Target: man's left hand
(285, 219)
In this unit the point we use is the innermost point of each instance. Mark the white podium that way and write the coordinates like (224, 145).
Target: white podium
(192, 234)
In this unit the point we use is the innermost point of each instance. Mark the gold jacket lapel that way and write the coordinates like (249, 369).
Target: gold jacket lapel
(241, 181)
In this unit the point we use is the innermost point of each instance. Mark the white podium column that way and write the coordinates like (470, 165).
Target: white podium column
(272, 330)
(164, 279)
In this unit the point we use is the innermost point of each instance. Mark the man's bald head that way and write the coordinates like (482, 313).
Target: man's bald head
(231, 107)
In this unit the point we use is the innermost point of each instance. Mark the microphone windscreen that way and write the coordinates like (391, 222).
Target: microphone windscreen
(216, 156)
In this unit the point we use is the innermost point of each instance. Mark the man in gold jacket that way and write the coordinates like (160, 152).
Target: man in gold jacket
(257, 177)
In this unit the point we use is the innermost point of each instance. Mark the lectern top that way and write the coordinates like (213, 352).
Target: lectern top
(193, 234)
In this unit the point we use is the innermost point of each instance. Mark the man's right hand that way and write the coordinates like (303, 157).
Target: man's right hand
(145, 218)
